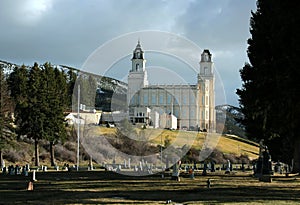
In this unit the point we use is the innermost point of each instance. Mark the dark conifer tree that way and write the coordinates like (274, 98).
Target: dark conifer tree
(269, 97)
(6, 107)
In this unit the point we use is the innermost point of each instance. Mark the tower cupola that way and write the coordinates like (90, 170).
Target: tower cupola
(138, 61)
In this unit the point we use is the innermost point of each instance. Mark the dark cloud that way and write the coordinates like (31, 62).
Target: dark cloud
(68, 31)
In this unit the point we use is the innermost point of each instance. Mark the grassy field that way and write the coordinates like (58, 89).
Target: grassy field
(100, 187)
(226, 144)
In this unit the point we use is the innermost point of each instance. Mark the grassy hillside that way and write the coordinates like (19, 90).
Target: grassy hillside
(227, 144)
(22, 150)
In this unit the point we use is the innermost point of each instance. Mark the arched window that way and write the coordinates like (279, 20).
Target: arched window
(137, 67)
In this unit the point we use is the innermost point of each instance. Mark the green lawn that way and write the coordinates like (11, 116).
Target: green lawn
(100, 187)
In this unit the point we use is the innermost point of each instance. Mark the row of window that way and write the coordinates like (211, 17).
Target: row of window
(162, 101)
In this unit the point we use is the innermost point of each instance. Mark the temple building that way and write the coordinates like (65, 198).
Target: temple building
(191, 106)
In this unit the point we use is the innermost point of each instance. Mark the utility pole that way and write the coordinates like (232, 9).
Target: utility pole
(78, 125)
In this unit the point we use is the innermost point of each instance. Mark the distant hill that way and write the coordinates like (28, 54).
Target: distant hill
(107, 88)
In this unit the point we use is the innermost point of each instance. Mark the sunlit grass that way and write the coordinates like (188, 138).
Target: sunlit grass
(180, 138)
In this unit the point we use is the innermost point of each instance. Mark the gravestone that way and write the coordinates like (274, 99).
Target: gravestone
(141, 166)
(191, 173)
(228, 167)
(3, 164)
(91, 167)
(208, 183)
(129, 165)
(4, 170)
(277, 167)
(213, 166)
(33, 176)
(136, 168)
(204, 173)
(17, 170)
(167, 164)
(176, 171)
(11, 170)
(263, 168)
(125, 164)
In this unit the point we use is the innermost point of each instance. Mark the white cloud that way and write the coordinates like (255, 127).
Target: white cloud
(25, 12)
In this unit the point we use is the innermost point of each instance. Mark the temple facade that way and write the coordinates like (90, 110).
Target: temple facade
(193, 106)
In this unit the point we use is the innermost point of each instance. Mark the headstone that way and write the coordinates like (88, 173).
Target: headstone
(167, 163)
(213, 167)
(204, 173)
(11, 170)
(208, 183)
(91, 167)
(125, 165)
(141, 166)
(33, 176)
(30, 186)
(143, 162)
(267, 164)
(136, 168)
(264, 164)
(228, 167)
(4, 171)
(27, 167)
(176, 171)
(3, 164)
(23, 170)
(191, 173)
(129, 165)
(17, 170)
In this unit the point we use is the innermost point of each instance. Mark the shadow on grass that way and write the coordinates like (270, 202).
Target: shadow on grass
(111, 188)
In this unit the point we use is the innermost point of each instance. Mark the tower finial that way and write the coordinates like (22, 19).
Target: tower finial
(139, 41)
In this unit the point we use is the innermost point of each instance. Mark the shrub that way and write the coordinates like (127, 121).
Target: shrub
(12, 156)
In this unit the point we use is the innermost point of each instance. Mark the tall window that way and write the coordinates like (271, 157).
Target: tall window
(145, 98)
(169, 98)
(153, 98)
(161, 98)
(206, 70)
(184, 99)
(192, 98)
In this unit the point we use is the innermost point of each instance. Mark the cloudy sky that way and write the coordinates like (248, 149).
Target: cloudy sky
(68, 31)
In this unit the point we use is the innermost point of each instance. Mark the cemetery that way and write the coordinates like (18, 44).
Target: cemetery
(131, 181)
(182, 184)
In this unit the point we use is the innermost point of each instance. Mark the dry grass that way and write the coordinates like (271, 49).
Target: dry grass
(180, 138)
(99, 187)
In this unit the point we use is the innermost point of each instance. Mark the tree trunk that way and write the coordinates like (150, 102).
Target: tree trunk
(296, 165)
(36, 148)
(52, 153)
(1, 158)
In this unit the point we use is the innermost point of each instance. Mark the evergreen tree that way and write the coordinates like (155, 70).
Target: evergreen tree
(71, 79)
(269, 97)
(6, 129)
(55, 104)
(34, 117)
